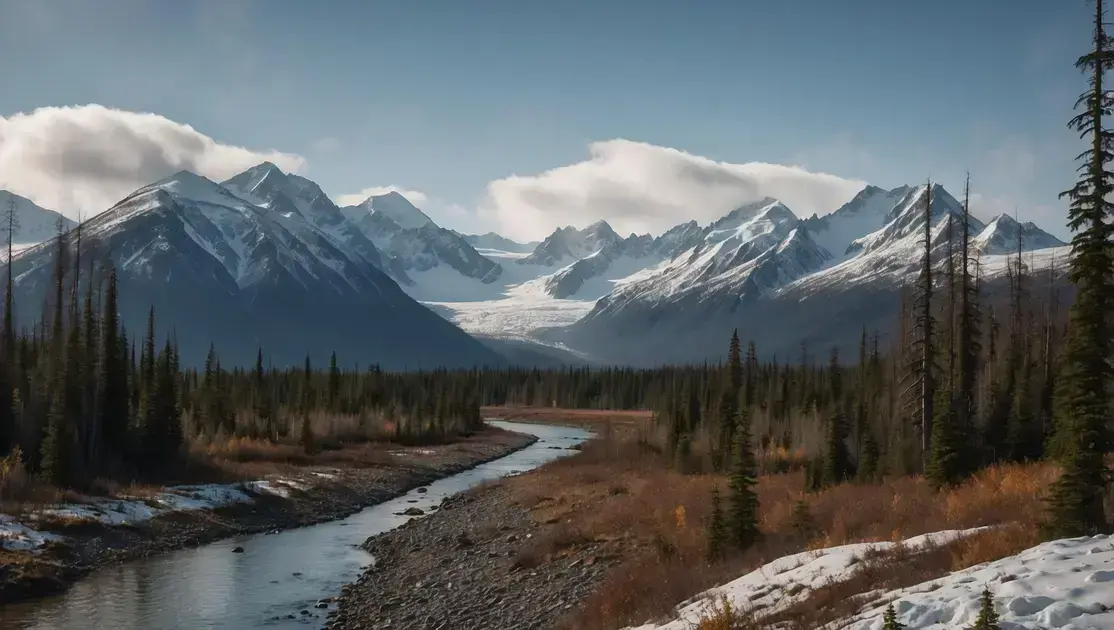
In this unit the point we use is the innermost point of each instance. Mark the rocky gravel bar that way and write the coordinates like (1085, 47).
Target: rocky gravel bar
(467, 566)
(88, 547)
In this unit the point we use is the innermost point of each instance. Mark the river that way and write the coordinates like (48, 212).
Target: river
(277, 576)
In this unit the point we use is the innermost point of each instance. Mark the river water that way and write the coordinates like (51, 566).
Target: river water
(277, 575)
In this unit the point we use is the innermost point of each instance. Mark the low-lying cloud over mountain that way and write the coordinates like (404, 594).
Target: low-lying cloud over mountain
(639, 187)
(83, 159)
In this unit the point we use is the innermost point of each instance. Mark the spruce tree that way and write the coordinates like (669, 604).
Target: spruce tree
(334, 381)
(889, 619)
(1076, 501)
(743, 510)
(112, 389)
(837, 460)
(717, 528)
(988, 616)
(307, 401)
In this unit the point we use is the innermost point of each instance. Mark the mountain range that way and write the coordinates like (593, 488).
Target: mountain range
(267, 259)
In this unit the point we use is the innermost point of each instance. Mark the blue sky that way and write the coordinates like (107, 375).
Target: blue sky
(446, 96)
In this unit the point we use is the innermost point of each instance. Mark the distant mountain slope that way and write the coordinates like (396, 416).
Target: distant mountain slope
(34, 224)
(263, 260)
(422, 255)
(491, 240)
(762, 270)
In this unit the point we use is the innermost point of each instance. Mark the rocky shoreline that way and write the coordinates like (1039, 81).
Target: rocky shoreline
(473, 564)
(89, 547)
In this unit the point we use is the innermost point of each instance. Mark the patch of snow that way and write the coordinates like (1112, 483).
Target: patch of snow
(18, 537)
(790, 579)
(1059, 584)
(132, 510)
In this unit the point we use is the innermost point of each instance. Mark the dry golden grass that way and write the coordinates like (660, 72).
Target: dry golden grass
(594, 419)
(619, 495)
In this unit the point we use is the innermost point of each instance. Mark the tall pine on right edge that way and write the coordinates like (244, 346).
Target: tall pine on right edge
(1076, 501)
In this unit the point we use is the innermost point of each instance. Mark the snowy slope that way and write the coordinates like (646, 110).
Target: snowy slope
(265, 259)
(755, 248)
(1060, 584)
(790, 579)
(1004, 234)
(397, 208)
(785, 281)
(493, 241)
(426, 259)
(569, 244)
(34, 224)
(864, 214)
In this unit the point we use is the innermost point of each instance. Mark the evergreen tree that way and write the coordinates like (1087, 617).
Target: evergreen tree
(1076, 500)
(112, 392)
(307, 429)
(334, 381)
(717, 528)
(889, 619)
(837, 460)
(988, 617)
(743, 524)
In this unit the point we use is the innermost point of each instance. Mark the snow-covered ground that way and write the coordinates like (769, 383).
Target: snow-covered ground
(22, 536)
(1060, 584)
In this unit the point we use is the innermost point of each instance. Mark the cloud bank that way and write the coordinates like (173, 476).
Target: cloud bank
(84, 159)
(639, 187)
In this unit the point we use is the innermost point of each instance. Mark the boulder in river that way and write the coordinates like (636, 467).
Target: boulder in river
(237, 550)
(423, 490)
(413, 511)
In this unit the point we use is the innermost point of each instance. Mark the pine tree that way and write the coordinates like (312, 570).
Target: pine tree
(967, 335)
(717, 528)
(868, 463)
(889, 619)
(920, 373)
(988, 616)
(307, 429)
(1076, 500)
(743, 523)
(112, 393)
(837, 460)
(803, 523)
(734, 362)
(334, 381)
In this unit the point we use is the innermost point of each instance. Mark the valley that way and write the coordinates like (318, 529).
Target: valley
(556, 316)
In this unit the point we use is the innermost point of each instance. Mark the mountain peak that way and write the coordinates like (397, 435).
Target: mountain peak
(396, 207)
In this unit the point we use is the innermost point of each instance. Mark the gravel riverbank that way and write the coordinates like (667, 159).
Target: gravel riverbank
(473, 564)
(24, 576)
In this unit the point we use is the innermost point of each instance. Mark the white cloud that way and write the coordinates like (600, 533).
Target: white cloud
(83, 159)
(416, 197)
(640, 187)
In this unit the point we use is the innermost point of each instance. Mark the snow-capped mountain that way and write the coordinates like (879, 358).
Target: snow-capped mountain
(33, 224)
(837, 231)
(786, 282)
(569, 244)
(757, 247)
(263, 260)
(1004, 234)
(493, 241)
(416, 247)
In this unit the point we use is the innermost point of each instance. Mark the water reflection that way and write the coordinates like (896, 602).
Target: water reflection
(276, 578)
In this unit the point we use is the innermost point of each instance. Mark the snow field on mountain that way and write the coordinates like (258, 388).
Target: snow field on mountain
(1065, 584)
